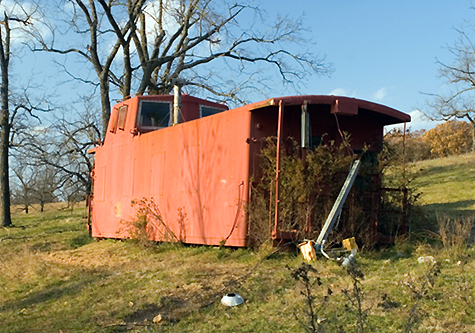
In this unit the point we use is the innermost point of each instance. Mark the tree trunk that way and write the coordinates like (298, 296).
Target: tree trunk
(473, 137)
(5, 217)
(472, 122)
(106, 105)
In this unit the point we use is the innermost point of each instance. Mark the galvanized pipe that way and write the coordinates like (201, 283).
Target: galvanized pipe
(176, 103)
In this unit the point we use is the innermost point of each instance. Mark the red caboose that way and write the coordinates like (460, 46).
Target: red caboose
(201, 167)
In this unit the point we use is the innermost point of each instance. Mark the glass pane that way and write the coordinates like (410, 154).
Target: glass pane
(114, 117)
(122, 117)
(208, 111)
(153, 114)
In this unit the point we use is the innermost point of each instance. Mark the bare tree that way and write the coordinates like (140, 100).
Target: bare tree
(46, 184)
(460, 76)
(162, 41)
(34, 185)
(23, 189)
(62, 146)
(12, 18)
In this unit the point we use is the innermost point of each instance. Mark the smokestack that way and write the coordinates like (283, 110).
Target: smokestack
(176, 102)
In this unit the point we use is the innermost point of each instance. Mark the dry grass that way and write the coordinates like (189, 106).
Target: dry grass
(454, 231)
(447, 184)
(54, 278)
(17, 210)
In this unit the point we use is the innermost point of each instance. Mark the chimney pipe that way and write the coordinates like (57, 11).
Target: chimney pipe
(176, 103)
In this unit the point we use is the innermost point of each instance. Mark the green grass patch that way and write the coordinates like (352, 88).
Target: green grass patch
(54, 278)
(447, 184)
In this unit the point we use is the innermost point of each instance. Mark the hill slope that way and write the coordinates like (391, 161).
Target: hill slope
(55, 278)
(447, 184)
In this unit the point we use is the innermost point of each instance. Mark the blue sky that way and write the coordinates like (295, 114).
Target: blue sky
(382, 51)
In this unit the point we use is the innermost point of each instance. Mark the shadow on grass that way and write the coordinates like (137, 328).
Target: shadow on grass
(50, 293)
(171, 308)
(456, 208)
(80, 241)
(437, 174)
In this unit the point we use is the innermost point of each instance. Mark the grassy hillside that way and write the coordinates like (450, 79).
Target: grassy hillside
(55, 278)
(447, 184)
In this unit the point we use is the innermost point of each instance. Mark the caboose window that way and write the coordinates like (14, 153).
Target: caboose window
(154, 114)
(122, 117)
(114, 117)
(209, 110)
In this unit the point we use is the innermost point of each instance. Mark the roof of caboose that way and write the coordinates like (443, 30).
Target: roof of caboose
(340, 104)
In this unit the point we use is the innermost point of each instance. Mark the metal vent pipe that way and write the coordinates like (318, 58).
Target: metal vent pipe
(176, 103)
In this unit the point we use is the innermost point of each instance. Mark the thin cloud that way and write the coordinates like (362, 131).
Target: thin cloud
(418, 121)
(338, 92)
(344, 92)
(381, 94)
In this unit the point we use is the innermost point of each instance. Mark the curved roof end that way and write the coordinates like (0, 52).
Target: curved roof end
(340, 105)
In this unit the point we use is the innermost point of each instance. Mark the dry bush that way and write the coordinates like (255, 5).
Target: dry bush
(454, 231)
(399, 199)
(148, 225)
(409, 146)
(306, 195)
(450, 138)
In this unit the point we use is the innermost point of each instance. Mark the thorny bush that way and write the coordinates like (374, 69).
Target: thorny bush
(317, 312)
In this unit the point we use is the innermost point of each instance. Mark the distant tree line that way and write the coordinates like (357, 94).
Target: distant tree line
(50, 163)
(453, 137)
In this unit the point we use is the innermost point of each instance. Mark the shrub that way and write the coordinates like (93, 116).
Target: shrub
(148, 225)
(410, 146)
(453, 137)
(306, 194)
(450, 138)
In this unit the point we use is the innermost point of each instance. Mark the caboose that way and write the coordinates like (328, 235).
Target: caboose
(196, 158)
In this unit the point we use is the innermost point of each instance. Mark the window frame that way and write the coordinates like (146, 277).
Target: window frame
(122, 117)
(210, 107)
(115, 118)
(139, 114)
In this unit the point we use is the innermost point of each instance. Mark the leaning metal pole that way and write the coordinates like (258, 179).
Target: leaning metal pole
(336, 210)
(277, 169)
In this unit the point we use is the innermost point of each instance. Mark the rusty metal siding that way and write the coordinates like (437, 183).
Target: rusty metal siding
(197, 166)
(201, 168)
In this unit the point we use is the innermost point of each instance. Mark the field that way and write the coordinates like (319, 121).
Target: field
(55, 278)
(448, 184)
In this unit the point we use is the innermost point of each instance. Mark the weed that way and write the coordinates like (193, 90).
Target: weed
(309, 186)
(148, 225)
(355, 297)
(403, 244)
(303, 274)
(306, 191)
(419, 289)
(454, 231)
